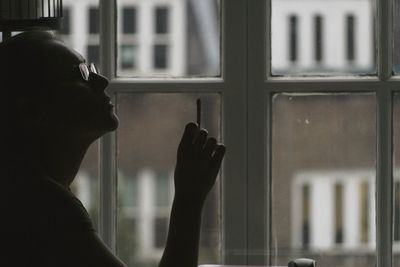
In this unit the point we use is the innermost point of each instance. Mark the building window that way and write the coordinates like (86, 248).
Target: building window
(338, 202)
(318, 38)
(93, 20)
(93, 54)
(66, 21)
(129, 18)
(397, 211)
(364, 212)
(160, 56)
(163, 190)
(160, 232)
(350, 35)
(293, 37)
(161, 20)
(128, 57)
(306, 202)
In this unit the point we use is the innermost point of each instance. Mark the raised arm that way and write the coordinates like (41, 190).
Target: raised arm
(198, 162)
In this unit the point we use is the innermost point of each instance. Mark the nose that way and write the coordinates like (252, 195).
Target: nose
(98, 82)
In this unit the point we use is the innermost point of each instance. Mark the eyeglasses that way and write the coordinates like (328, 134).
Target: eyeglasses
(87, 69)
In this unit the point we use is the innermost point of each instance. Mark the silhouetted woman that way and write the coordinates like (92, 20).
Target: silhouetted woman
(54, 106)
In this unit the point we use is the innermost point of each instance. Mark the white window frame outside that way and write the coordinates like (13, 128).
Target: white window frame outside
(246, 129)
(323, 219)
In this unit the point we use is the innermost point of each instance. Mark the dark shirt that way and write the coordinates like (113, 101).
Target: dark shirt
(39, 217)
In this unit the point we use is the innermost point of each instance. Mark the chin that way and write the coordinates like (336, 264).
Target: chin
(110, 124)
(103, 126)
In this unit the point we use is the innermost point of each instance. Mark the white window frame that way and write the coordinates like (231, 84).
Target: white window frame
(247, 166)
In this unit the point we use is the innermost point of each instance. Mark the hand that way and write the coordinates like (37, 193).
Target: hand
(198, 162)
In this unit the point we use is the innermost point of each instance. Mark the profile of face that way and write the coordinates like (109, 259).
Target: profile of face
(75, 101)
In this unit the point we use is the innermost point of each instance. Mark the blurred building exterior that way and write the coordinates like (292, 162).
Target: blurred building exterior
(323, 146)
(322, 36)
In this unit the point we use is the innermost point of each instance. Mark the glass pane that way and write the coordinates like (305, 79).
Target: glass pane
(150, 130)
(170, 38)
(86, 185)
(314, 37)
(80, 29)
(396, 212)
(323, 179)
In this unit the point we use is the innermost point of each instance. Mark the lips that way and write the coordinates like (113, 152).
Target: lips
(107, 101)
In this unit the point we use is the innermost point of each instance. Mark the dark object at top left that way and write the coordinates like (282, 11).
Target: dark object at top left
(26, 15)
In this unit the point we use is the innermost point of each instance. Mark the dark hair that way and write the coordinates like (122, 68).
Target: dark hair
(21, 62)
(23, 59)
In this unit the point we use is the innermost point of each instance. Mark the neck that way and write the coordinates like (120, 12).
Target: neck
(64, 160)
(59, 159)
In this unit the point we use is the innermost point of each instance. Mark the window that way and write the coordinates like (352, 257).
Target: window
(152, 172)
(93, 20)
(129, 18)
(66, 22)
(306, 145)
(293, 32)
(327, 36)
(350, 25)
(318, 37)
(363, 214)
(128, 57)
(161, 20)
(160, 56)
(93, 54)
(161, 229)
(305, 202)
(338, 213)
(397, 211)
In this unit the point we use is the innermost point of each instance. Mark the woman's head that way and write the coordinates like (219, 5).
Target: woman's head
(45, 92)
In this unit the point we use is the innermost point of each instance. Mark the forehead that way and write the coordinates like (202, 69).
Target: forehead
(57, 58)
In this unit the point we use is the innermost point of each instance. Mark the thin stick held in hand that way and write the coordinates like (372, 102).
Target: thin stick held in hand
(198, 102)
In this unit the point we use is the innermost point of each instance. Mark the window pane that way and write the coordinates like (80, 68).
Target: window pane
(128, 57)
(172, 38)
(314, 37)
(160, 56)
(129, 20)
(86, 183)
(161, 17)
(150, 130)
(93, 20)
(80, 29)
(66, 21)
(396, 212)
(93, 54)
(323, 179)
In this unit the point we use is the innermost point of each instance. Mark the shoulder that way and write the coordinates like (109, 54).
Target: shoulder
(61, 207)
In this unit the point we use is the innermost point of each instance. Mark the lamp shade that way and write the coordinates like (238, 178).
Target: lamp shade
(25, 15)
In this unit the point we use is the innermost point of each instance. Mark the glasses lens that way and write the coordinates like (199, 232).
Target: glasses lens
(93, 68)
(84, 71)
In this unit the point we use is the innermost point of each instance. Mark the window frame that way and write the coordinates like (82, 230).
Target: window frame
(246, 203)
(233, 101)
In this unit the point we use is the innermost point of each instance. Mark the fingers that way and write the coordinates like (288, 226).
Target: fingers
(218, 157)
(200, 140)
(196, 139)
(188, 136)
(209, 146)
